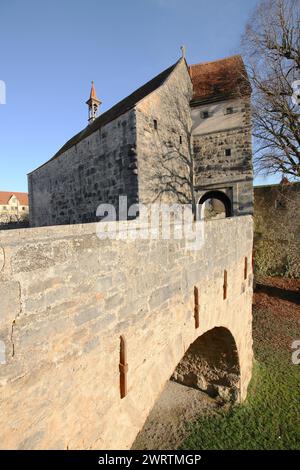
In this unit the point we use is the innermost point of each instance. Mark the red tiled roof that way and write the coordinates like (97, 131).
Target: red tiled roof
(6, 195)
(221, 79)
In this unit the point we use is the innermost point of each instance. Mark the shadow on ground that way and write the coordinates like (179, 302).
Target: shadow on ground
(279, 293)
(166, 426)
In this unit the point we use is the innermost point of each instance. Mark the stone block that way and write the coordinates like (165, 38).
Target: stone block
(86, 315)
(159, 296)
(2, 258)
(10, 303)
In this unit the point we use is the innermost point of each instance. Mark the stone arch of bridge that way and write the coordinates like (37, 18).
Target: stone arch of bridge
(211, 364)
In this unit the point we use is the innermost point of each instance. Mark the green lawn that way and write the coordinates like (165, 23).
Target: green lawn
(270, 417)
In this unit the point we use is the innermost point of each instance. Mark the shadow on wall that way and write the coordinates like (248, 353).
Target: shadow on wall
(211, 364)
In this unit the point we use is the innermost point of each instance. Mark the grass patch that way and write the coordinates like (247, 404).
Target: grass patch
(270, 417)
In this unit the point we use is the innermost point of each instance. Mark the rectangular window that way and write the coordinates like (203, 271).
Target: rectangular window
(229, 110)
(227, 152)
(205, 114)
(155, 124)
(280, 204)
(180, 139)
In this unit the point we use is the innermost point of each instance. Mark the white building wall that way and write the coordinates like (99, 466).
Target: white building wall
(218, 119)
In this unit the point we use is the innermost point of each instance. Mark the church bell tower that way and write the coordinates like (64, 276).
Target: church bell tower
(93, 103)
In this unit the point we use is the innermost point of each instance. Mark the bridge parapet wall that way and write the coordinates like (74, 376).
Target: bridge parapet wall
(66, 297)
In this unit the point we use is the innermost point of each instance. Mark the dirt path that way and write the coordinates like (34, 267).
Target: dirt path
(177, 406)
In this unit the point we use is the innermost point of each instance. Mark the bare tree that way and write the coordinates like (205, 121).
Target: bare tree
(271, 46)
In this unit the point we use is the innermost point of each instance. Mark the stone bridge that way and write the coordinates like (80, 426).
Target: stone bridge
(74, 307)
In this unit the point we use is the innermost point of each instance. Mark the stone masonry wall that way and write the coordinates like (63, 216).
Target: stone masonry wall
(97, 170)
(169, 107)
(66, 297)
(214, 166)
(277, 230)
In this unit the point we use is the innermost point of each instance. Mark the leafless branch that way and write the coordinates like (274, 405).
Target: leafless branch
(271, 46)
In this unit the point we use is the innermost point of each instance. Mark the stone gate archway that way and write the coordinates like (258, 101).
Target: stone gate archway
(211, 364)
(219, 198)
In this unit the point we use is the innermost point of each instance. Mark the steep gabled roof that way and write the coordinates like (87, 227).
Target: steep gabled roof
(117, 110)
(6, 195)
(218, 80)
(212, 81)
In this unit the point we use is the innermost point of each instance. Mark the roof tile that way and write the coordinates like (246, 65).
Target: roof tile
(221, 79)
(6, 195)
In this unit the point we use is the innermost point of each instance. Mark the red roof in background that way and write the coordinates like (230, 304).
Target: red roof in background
(221, 79)
(6, 195)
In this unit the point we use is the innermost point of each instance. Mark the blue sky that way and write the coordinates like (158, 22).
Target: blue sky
(50, 52)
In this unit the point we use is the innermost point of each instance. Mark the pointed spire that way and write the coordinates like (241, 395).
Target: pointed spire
(93, 93)
(183, 51)
(93, 103)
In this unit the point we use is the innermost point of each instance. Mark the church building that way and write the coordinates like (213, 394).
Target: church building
(200, 112)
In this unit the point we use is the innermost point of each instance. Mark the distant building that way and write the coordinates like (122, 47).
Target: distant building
(13, 206)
